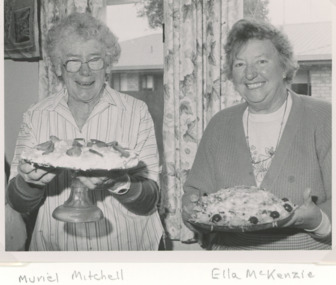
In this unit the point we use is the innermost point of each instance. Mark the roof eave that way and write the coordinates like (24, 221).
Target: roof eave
(314, 57)
(137, 67)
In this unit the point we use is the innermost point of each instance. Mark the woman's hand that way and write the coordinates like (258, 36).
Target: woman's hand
(189, 201)
(35, 175)
(103, 180)
(307, 216)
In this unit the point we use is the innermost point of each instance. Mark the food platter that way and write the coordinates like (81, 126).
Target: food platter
(241, 209)
(81, 155)
(211, 227)
(126, 167)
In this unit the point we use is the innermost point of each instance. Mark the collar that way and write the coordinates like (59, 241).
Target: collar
(109, 97)
(113, 97)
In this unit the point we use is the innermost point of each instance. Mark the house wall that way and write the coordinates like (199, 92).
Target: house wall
(321, 80)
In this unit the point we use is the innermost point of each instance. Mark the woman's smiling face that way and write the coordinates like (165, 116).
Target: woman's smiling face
(85, 85)
(257, 74)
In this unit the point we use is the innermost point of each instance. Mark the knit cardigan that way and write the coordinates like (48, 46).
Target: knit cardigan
(302, 159)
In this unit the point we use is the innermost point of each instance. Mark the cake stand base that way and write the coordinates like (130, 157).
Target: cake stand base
(79, 207)
(77, 215)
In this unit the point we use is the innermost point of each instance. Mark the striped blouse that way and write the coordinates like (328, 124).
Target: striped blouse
(116, 117)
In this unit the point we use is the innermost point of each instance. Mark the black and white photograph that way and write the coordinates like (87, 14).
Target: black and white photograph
(169, 128)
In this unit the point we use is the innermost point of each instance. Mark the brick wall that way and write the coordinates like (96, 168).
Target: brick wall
(321, 80)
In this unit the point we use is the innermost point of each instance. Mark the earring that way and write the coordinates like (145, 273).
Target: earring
(284, 75)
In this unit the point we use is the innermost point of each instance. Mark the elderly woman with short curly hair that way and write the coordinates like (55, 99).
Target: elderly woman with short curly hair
(82, 50)
(276, 140)
(76, 27)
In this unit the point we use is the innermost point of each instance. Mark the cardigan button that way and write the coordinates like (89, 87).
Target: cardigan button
(291, 179)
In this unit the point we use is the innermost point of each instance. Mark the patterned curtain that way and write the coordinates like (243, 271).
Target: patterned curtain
(195, 89)
(51, 11)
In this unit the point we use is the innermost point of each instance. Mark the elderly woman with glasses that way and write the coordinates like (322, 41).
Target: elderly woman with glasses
(82, 50)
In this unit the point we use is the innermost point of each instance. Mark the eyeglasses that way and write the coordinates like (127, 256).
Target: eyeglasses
(74, 65)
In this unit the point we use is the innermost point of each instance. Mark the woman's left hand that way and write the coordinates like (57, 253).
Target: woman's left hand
(103, 182)
(307, 216)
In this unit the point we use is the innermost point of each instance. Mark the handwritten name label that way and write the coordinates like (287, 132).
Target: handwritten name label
(76, 275)
(31, 279)
(140, 273)
(267, 274)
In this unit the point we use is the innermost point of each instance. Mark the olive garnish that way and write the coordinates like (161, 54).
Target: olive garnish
(216, 218)
(253, 220)
(288, 207)
(275, 214)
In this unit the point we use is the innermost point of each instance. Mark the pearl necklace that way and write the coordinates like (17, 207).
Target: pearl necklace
(279, 136)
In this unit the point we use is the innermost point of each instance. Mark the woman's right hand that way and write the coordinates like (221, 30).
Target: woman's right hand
(35, 175)
(189, 201)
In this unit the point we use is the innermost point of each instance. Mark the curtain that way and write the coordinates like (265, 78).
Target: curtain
(51, 11)
(195, 88)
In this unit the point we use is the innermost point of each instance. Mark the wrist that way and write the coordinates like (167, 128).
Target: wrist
(22, 197)
(26, 188)
(121, 186)
(323, 229)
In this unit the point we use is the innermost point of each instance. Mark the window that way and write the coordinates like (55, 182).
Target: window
(301, 82)
(302, 88)
(125, 82)
(148, 82)
(116, 81)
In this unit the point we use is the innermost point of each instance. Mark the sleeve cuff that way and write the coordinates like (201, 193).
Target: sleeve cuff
(26, 189)
(22, 197)
(323, 229)
(122, 187)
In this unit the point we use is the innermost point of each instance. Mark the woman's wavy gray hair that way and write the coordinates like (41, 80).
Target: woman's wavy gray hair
(247, 29)
(86, 27)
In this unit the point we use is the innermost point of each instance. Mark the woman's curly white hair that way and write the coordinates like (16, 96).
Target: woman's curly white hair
(84, 26)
